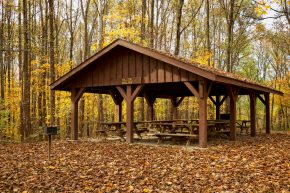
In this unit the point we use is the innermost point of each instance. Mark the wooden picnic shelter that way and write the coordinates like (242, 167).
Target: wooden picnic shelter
(126, 70)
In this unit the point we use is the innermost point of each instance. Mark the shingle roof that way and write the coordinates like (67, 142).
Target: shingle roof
(208, 72)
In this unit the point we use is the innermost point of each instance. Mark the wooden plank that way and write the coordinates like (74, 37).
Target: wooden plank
(139, 65)
(75, 96)
(107, 69)
(240, 83)
(171, 60)
(101, 73)
(153, 70)
(267, 109)
(130, 116)
(253, 100)
(136, 92)
(132, 64)
(191, 76)
(192, 89)
(202, 114)
(146, 69)
(184, 75)
(233, 117)
(96, 75)
(168, 73)
(125, 64)
(176, 74)
(122, 92)
(160, 71)
(261, 99)
(86, 78)
(113, 71)
(217, 107)
(119, 65)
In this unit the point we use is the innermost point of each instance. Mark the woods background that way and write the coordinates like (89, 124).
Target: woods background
(40, 40)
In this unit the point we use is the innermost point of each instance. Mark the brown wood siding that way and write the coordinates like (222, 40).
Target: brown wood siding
(139, 65)
(123, 66)
(153, 70)
(132, 64)
(176, 74)
(119, 64)
(146, 69)
(160, 71)
(168, 73)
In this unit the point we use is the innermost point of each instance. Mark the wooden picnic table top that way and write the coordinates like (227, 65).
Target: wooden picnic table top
(113, 123)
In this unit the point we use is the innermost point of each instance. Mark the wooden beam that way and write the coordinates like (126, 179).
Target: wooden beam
(74, 120)
(122, 92)
(130, 115)
(209, 88)
(202, 114)
(179, 100)
(267, 109)
(192, 89)
(136, 92)
(212, 100)
(150, 99)
(202, 95)
(217, 107)
(116, 96)
(240, 83)
(77, 93)
(233, 94)
(253, 100)
(223, 100)
(75, 97)
(119, 117)
(261, 99)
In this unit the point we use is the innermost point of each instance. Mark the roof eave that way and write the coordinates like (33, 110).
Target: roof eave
(228, 80)
(82, 65)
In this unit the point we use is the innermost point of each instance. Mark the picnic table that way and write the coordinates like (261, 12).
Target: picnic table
(244, 125)
(119, 128)
(175, 130)
(189, 129)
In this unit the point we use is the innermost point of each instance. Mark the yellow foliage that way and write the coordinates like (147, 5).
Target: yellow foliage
(202, 57)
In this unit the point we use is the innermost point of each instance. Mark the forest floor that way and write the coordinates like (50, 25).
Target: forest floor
(260, 164)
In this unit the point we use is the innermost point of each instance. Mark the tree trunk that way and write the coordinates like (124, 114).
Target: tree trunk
(178, 26)
(2, 71)
(51, 57)
(26, 78)
(20, 58)
(230, 22)
(143, 20)
(151, 44)
(208, 29)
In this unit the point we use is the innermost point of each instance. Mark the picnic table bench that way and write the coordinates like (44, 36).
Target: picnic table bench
(116, 127)
(188, 136)
(243, 124)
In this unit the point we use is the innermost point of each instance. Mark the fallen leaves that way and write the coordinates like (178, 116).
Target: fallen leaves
(260, 164)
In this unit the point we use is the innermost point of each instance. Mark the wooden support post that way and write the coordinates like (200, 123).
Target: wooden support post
(267, 108)
(253, 100)
(129, 96)
(233, 95)
(175, 103)
(202, 94)
(202, 114)
(150, 99)
(117, 98)
(217, 107)
(75, 97)
(119, 116)
(130, 115)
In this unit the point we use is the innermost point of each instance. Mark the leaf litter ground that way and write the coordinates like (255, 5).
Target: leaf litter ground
(260, 164)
